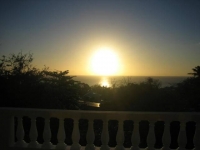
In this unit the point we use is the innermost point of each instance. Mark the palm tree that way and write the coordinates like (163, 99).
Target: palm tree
(196, 72)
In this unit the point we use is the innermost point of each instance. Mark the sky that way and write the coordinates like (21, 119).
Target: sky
(148, 38)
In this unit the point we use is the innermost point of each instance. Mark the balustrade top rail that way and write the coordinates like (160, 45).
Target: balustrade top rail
(103, 115)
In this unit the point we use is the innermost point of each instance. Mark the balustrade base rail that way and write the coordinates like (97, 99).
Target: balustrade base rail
(31, 129)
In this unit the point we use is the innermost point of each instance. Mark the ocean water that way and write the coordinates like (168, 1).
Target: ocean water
(109, 80)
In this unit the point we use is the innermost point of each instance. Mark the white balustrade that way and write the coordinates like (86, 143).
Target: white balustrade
(47, 135)
(20, 133)
(120, 136)
(151, 137)
(7, 129)
(61, 135)
(135, 139)
(90, 136)
(182, 139)
(33, 134)
(105, 136)
(76, 136)
(197, 136)
(166, 139)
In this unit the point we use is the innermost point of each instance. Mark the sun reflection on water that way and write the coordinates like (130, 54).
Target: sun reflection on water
(105, 82)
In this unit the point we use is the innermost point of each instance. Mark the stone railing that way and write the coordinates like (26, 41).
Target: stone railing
(13, 133)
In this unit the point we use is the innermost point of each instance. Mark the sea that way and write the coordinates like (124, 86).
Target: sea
(108, 81)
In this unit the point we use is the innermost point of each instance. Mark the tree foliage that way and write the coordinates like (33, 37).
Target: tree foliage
(196, 72)
(23, 85)
(149, 95)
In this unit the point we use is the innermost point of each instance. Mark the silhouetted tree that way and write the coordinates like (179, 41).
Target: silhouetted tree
(189, 90)
(22, 85)
(196, 72)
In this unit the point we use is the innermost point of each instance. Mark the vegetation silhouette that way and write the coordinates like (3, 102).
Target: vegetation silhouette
(149, 95)
(196, 72)
(25, 86)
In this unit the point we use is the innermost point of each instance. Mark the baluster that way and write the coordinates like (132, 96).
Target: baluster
(20, 134)
(47, 135)
(33, 134)
(196, 139)
(120, 136)
(182, 139)
(75, 136)
(166, 139)
(90, 136)
(11, 130)
(151, 137)
(105, 136)
(135, 139)
(61, 135)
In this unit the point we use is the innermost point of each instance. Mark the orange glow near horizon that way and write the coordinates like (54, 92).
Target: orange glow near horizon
(104, 62)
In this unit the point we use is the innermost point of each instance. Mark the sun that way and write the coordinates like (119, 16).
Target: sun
(104, 62)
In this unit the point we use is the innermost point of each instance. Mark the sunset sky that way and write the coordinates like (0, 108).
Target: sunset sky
(144, 37)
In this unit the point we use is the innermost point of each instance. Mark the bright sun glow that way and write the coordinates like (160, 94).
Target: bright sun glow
(105, 82)
(105, 62)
